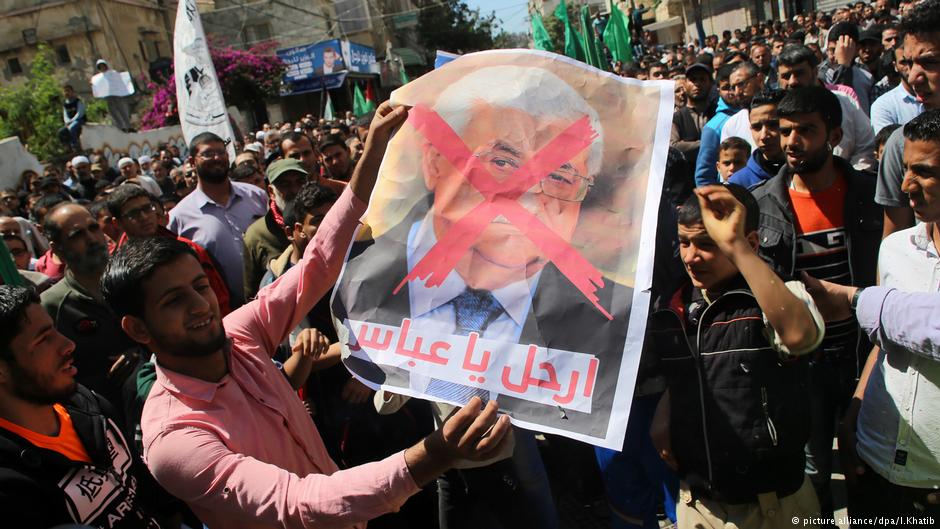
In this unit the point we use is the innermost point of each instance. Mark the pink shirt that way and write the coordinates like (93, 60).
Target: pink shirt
(243, 452)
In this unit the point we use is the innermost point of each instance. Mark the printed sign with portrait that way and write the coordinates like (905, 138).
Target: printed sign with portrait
(507, 251)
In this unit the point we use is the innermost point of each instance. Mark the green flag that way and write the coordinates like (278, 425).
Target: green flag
(404, 75)
(540, 34)
(360, 105)
(617, 36)
(9, 275)
(573, 47)
(587, 39)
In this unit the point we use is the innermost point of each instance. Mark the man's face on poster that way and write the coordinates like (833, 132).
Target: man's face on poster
(329, 58)
(503, 139)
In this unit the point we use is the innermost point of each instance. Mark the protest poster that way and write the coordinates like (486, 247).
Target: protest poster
(111, 84)
(507, 250)
(198, 92)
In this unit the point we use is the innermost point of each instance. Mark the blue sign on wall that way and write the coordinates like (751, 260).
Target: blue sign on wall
(326, 57)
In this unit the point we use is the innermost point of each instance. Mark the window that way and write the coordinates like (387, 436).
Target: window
(353, 15)
(15, 67)
(259, 32)
(62, 54)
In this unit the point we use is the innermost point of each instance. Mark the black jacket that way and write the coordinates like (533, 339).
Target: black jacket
(41, 488)
(863, 219)
(740, 415)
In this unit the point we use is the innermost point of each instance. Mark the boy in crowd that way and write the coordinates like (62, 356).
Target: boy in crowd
(767, 158)
(733, 154)
(734, 419)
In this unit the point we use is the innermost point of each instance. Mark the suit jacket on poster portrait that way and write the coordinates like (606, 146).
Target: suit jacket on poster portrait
(560, 318)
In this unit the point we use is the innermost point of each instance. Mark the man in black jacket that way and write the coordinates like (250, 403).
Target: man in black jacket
(63, 459)
(818, 217)
(688, 121)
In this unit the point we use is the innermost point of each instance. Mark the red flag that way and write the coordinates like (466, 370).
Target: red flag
(370, 96)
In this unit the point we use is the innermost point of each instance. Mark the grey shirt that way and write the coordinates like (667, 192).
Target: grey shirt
(891, 172)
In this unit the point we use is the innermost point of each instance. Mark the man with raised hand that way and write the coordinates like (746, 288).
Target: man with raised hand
(222, 428)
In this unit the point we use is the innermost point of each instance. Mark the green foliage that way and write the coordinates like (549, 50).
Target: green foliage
(511, 40)
(454, 27)
(33, 110)
(556, 28)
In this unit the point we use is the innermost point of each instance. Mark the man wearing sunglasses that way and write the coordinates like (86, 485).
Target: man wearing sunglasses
(137, 214)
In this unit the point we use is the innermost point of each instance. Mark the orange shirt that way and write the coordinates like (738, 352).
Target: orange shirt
(66, 443)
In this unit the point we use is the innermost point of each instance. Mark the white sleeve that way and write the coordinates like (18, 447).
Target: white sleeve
(798, 289)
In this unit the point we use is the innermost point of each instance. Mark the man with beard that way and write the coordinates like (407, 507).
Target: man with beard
(336, 158)
(266, 238)
(797, 67)
(921, 29)
(688, 120)
(817, 216)
(63, 459)
(222, 428)
(218, 212)
(300, 147)
(75, 302)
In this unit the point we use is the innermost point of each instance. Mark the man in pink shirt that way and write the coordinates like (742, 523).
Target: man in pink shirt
(222, 428)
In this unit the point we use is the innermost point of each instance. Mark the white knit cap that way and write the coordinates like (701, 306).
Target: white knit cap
(124, 161)
(78, 160)
(144, 159)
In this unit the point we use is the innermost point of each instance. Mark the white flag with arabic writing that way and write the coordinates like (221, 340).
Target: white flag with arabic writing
(198, 93)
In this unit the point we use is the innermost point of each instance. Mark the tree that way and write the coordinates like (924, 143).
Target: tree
(511, 40)
(556, 28)
(33, 110)
(453, 26)
(247, 78)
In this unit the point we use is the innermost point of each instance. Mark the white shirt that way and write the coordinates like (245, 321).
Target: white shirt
(899, 422)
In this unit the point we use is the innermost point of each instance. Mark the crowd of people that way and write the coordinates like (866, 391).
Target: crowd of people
(801, 198)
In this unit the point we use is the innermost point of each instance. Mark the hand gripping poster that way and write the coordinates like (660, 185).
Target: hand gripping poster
(507, 250)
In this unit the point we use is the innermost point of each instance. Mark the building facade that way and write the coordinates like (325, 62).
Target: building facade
(132, 35)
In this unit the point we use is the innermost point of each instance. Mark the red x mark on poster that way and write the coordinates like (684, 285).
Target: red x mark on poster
(501, 198)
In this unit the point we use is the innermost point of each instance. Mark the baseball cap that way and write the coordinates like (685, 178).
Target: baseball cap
(284, 165)
(698, 66)
(48, 181)
(869, 35)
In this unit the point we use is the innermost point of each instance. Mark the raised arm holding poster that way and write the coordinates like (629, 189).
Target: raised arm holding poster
(508, 247)
(198, 93)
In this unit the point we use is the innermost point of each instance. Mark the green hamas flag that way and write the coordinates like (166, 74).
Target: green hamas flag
(573, 47)
(617, 36)
(540, 34)
(588, 40)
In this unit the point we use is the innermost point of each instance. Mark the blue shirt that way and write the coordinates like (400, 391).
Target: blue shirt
(895, 106)
(751, 174)
(706, 170)
(220, 228)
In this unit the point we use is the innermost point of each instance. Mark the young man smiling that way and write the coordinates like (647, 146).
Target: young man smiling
(222, 428)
